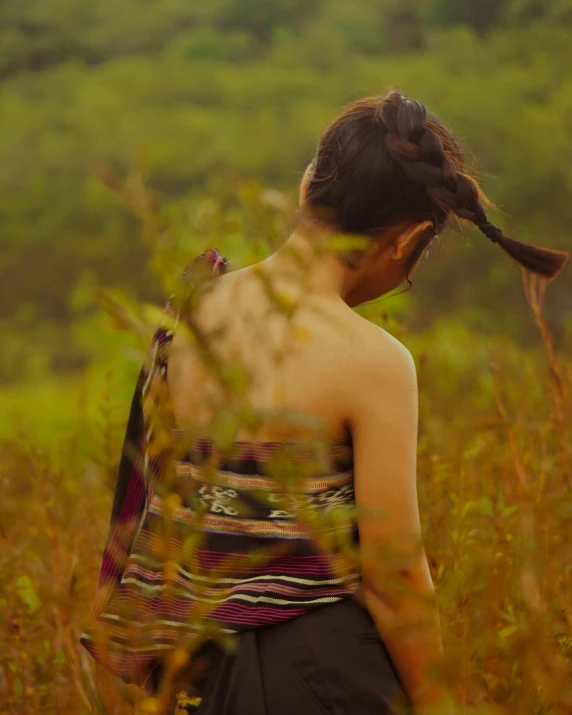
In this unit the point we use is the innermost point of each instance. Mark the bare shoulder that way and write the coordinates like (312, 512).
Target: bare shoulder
(383, 356)
(383, 382)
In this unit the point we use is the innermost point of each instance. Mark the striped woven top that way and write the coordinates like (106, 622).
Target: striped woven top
(205, 543)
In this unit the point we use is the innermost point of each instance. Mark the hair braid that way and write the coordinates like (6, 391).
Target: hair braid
(413, 142)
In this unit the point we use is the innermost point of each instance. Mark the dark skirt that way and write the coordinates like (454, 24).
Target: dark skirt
(330, 661)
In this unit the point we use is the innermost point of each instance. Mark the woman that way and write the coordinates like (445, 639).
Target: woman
(315, 629)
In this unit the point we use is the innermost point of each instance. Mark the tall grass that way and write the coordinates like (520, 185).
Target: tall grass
(495, 471)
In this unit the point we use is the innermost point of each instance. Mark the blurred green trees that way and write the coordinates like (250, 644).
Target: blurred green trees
(201, 97)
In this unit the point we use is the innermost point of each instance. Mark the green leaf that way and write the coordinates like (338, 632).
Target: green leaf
(481, 507)
(26, 592)
(504, 633)
(60, 658)
(348, 242)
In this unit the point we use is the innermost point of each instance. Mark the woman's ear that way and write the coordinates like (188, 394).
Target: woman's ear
(306, 180)
(408, 238)
(304, 187)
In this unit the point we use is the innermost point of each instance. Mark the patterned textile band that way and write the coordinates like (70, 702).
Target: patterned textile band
(202, 544)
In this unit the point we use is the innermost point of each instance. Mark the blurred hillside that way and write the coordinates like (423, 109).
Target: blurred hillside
(205, 96)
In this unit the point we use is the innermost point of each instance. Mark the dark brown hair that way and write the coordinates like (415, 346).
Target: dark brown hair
(386, 161)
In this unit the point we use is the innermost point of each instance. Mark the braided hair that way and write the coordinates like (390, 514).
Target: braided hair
(386, 161)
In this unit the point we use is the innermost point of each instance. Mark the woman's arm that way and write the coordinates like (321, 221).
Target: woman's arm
(397, 585)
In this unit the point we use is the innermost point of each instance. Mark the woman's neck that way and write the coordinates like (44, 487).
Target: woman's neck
(301, 264)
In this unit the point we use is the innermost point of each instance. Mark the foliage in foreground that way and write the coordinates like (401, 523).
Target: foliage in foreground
(495, 472)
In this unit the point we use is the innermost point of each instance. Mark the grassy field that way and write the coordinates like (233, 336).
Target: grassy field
(495, 476)
(131, 133)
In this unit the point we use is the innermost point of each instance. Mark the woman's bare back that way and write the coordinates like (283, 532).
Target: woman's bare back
(300, 364)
